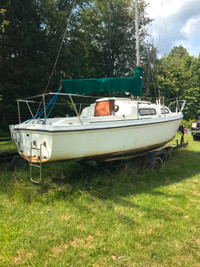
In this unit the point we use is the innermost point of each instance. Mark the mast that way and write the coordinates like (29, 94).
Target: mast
(137, 34)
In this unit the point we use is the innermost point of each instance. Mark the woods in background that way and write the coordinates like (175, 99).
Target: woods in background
(100, 42)
(178, 75)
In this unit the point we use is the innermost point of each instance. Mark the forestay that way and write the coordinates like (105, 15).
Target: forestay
(95, 85)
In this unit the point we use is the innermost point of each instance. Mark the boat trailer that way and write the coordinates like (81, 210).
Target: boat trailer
(13, 158)
(152, 159)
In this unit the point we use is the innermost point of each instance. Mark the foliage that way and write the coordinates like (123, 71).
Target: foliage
(102, 40)
(29, 47)
(187, 123)
(178, 76)
(3, 22)
(99, 43)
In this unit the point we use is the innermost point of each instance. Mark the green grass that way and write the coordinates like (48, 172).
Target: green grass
(7, 146)
(82, 217)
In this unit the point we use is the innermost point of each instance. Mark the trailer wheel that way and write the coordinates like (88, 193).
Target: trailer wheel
(157, 164)
(18, 163)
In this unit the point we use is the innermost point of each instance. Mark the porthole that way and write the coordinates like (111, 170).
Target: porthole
(116, 108)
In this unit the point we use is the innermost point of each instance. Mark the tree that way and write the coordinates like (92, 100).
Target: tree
(150, 61)
(104, 39)
(100, 43)
(3, 22)
(29, 47)
(178, 76)
(20, 51)
(192, 91)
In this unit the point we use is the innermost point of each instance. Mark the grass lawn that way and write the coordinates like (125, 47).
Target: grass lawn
(79, 217)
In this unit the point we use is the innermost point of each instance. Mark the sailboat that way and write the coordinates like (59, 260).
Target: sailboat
(109, 128)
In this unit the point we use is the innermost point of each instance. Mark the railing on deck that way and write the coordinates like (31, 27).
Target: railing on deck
(79, 106)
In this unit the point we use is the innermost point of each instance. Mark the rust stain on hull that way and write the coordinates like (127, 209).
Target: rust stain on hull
(33, 159)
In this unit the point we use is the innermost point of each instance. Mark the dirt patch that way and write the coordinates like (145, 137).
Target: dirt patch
(141, 232)
(195, 193)
(89, 241)
(176, 207)
(140, 214)
(138, 246)
(77, 242)
(81, 227)
(150, 231)
(194, 200)
(66, 218)
(98, 233)
(60, 249)
(22, 256)
(85, 242)
(83, 254)
(197, 240)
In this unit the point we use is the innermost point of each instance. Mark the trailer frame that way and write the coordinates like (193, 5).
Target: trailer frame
(13, 158)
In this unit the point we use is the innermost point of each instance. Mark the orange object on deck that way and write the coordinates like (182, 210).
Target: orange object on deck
(104, 108)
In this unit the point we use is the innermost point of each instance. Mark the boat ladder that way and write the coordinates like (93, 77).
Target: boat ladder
(35, 164)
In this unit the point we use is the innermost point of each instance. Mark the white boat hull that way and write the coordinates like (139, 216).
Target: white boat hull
(94, 141)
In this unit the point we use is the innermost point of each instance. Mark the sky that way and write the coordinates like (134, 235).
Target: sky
(176, 22)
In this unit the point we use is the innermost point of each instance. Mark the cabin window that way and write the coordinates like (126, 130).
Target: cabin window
(166, 111)
(104, 108)
(147, 111)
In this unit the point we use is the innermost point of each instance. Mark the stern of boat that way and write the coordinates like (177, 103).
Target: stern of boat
(32, 146)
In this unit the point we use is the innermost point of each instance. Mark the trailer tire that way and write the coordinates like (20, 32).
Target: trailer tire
(157, 164)
(18, 163)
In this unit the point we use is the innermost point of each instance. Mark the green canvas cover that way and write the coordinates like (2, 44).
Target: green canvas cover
(96, 85)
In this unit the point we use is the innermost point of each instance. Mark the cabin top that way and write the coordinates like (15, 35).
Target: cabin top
(123, 107)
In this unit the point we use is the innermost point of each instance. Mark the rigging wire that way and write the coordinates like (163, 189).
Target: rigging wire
(64, 35)
(57, 57)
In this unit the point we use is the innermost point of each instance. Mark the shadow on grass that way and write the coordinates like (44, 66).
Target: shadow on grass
(182, 165)
(70, 179)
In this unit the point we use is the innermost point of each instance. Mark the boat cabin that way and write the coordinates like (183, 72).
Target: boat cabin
(123, 107)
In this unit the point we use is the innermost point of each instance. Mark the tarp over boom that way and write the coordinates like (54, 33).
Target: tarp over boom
(95, 85)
